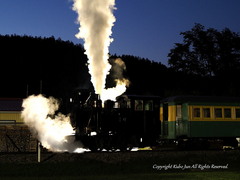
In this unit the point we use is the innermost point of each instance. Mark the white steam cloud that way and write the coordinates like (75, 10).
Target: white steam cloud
(96, 20)
(51, 129)
(39, 113)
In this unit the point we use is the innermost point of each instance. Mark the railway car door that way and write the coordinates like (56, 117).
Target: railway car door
(178, 119)
(181, 120)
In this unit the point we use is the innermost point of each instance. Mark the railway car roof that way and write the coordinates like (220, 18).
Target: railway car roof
(133, 96)
(202, 99)
(10, 104)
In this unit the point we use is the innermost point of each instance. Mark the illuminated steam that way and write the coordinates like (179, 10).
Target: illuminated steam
(96, 20)
(118, 66)
(51, 129)
(39, 113)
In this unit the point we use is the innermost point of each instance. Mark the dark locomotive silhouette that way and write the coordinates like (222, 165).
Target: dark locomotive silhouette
(131, 121)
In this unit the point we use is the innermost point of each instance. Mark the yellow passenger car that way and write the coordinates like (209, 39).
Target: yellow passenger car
(201, 118)
(10, 111)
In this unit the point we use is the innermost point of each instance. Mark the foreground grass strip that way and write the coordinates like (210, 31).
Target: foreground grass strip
(152, 176)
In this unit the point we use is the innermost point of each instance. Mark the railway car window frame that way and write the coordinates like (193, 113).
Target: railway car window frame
(128, 104)
(7, 122)
(217, 114)
(148, 105)
(179, 111)
(237, 113)
(206, 112)
(138, 105)
(196, 112)
(116, 105)
(226, 114)
(125, 104)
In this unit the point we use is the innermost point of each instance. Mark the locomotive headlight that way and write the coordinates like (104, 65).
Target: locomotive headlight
(93, 133)
(238, 139)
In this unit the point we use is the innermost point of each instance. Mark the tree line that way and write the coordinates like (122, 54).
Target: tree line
(211, 55)
(207, 62)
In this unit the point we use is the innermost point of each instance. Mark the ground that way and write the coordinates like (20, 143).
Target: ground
(123, 165)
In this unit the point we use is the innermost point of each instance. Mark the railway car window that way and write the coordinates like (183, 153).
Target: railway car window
(237, 113)
(5, 122)
(227, 113)
(116, 105)
(218, 112)
(179, 111)
(123, 104)
(196, 112)
(128, 104)
(148, 106)
(138, 105)
(206, 113)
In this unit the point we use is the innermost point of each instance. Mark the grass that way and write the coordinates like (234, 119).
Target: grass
(45, 174)
(140, 167)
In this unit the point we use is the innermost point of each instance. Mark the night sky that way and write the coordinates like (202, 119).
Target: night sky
(145, 28)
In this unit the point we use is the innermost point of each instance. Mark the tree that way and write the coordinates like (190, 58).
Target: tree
(206, 52)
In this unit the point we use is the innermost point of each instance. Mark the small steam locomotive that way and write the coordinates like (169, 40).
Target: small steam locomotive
(131, 121)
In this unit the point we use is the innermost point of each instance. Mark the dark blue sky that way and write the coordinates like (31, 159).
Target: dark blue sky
(145, 28)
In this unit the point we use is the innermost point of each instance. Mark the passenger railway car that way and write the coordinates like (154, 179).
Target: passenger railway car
(14, 134)
(200, 120)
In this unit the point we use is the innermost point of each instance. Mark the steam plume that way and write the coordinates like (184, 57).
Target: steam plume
(96, 20)
(51, 130)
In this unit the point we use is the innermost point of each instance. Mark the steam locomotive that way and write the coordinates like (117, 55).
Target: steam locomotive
(140, 121)
(131, 121)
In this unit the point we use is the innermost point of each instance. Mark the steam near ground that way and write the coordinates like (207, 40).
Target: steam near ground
(51, 129)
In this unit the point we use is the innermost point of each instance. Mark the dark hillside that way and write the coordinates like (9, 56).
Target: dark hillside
(60, 66)
(27, 61)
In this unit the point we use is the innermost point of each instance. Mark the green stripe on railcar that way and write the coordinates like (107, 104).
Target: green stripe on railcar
(214, 129)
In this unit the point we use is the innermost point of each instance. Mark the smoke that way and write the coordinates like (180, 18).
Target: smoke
(118, 67)
(96, 20)
(51, 129)
(112, 93)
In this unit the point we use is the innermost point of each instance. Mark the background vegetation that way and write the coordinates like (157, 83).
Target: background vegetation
(207, 62)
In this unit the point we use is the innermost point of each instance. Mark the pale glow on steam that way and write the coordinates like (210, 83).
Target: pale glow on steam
(52, 130)
(112, 93)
